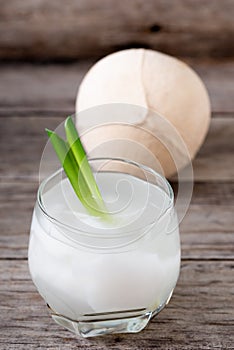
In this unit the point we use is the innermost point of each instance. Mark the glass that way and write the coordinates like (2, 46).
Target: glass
(113, 277)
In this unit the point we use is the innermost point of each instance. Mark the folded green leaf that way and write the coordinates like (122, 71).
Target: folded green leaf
(81, 159)
(73, 158)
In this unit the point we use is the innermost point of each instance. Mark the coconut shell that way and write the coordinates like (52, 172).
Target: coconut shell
(161, 85)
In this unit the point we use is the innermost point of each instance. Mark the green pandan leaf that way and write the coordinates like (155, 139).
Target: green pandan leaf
(81, 159)
(73, 158)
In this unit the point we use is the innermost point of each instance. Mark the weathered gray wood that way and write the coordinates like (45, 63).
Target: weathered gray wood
(206, 231)
(215, 160)
(16, 207)
(53, 29)
(199, 315)
(218, 78)
(51, 89)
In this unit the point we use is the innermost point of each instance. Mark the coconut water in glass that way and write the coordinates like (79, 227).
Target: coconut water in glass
(99, 277)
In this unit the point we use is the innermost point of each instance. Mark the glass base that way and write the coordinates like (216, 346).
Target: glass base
(94, 328)
(91, 325)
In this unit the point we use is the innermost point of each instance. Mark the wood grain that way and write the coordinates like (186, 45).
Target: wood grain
(206, 231)
(20, 159)
(50, 90)
(91, 28)
(199, 315)
(215, 160)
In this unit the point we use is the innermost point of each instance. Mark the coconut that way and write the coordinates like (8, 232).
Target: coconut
(171, 123)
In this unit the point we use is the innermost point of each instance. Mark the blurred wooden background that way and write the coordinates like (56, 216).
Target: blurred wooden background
(46, 47)
(74, 29)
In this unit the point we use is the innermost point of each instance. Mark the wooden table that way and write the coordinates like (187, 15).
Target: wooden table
(200, 314)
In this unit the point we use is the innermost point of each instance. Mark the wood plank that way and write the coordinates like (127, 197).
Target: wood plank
(51, 89)
(16, 208)
(215, 161)
(199, 315)
(206, 231)
(33, 30)
(218, 78)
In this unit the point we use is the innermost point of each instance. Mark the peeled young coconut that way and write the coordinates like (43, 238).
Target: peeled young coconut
(162, 85)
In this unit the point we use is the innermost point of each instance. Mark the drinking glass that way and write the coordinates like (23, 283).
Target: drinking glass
(106, 277)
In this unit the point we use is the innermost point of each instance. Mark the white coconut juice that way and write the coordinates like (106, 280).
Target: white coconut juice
(83, 265)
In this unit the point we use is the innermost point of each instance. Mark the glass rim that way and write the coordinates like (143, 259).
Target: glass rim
(106, 235)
